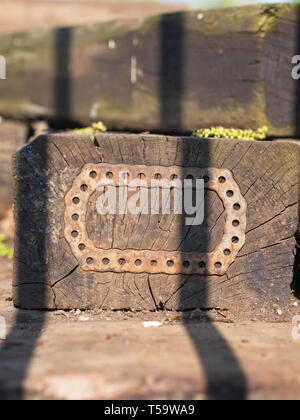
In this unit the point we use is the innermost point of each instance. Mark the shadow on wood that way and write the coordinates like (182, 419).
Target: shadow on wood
(215, 353)
(38, 224)
(23, 324)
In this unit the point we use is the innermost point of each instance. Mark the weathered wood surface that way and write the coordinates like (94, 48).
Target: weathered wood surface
(48, 275)
(12, 137)
(169, 73)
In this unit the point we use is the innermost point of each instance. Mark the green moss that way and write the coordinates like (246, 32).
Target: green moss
(5, 251)
(232, 133)
(95, 128)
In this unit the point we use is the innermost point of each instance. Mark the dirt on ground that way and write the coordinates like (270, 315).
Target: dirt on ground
(112, 355)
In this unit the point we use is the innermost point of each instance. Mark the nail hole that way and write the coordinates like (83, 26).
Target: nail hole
(105, 261)
(138, 263)
(74, 234)
(109, 175)
(122, 261)
(230, 193)
(76, 200)
(202, 264)
(81, 247)
(75, 217)
(237, 206)
(84, 187)
(173, 177)
(227, 252)
(186, 264)
(235, 223)
(142, 176)
(222, 180)
(235, 240)
(154, 263)
(218, 265)
(93, 174)
(157, 176)
(89, 260)
(170, 263)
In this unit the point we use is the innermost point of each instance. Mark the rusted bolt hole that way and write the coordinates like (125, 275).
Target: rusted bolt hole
(230, 193)
(186, 264)
(93, 174)
(222, 180)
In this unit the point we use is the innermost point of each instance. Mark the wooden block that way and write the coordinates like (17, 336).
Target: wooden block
(68, 256)
(169, 73)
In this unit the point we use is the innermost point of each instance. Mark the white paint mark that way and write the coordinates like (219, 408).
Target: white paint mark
(2, 328)
(95, 111)
(133, 69)
(200, 16)
(2, 67)
(112, 45)
(152, 324)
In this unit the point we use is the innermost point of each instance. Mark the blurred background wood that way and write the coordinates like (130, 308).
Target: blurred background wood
(19, 15)
(168, 73)
(12, 137)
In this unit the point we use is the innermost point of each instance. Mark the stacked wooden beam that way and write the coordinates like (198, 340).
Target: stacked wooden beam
(168, 73)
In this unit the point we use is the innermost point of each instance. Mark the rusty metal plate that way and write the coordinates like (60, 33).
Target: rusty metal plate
(91, 258)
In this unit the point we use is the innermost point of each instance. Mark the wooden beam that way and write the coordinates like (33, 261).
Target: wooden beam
(169, 73)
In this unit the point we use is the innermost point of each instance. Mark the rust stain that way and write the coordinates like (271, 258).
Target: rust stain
(91, 258)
